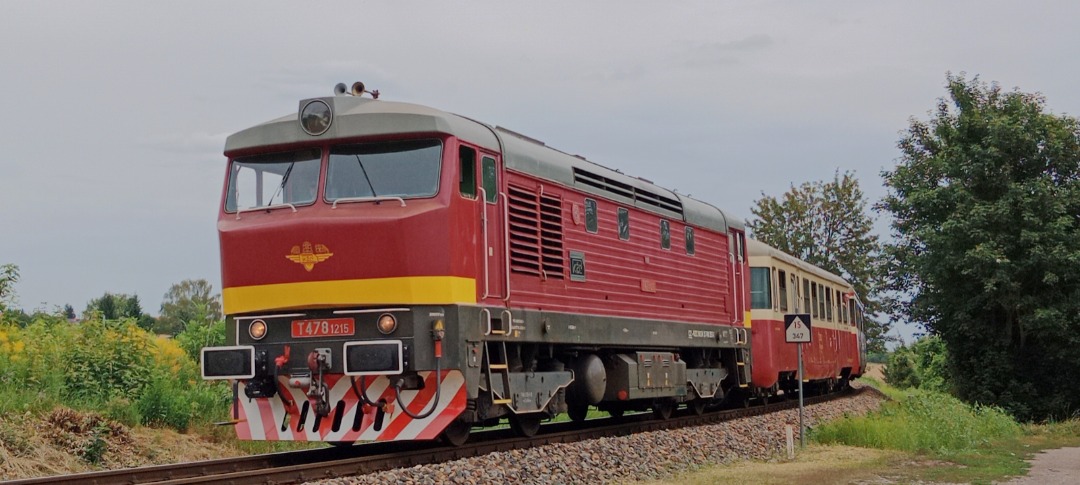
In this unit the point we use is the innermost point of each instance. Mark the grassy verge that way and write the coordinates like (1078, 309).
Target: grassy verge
(959, 442)
(918, 436)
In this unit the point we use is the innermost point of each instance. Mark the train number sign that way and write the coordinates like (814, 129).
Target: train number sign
(326, 327)
(797, 328)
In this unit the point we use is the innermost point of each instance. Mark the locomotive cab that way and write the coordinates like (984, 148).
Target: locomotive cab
(343, 241)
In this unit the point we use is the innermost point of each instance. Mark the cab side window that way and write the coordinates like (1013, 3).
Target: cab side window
(467, 172)
(491, 181)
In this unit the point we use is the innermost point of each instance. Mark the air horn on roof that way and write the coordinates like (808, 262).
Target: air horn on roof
(358, 89)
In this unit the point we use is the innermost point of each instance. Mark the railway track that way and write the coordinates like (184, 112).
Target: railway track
(308, 465)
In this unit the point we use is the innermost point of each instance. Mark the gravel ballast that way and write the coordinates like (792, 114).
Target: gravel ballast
(643, 456)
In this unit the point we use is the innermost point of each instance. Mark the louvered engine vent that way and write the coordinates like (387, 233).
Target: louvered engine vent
(536, 238)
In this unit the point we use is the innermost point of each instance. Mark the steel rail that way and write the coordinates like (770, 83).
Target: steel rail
(317, 464)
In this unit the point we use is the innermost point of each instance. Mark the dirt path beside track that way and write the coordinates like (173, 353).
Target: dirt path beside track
(1052, 467)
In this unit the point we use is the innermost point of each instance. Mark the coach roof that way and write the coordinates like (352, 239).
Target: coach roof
(758, 248)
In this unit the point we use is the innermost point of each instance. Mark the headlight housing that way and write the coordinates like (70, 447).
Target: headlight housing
(387, 324)
(257, 329)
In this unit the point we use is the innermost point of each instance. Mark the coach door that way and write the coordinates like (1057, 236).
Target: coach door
(494, 202)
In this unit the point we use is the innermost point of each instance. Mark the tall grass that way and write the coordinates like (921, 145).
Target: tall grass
(922, 421)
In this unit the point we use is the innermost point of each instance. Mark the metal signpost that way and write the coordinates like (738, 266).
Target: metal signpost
(797, 331)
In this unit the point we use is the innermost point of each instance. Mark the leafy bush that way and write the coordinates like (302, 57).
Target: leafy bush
(900, 371)
(113, 367)
(198, 335)
(162, 403)
(924, 365)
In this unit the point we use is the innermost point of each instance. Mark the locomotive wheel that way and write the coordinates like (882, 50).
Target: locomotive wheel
(663, 408)
(527, 424)
(457, 432)
(578, 413)
(697, 406)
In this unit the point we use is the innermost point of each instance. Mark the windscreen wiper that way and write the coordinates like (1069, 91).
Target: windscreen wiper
(284, 179)
(368, 179)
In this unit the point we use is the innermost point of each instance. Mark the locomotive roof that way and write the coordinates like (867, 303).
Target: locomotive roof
(758, 248)
(356, 116)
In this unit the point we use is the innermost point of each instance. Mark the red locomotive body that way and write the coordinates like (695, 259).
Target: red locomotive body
(396, 272)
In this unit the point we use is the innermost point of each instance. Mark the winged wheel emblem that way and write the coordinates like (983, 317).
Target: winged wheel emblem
(309, 255)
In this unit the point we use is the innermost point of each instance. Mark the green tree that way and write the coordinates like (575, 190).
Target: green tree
(118, 306)
(68, 312)
(9, 275)
(828, 225)
(185, 302)
(986, 214)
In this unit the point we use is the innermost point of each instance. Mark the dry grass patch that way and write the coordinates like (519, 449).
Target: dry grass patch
(67, 441)
(815, 465)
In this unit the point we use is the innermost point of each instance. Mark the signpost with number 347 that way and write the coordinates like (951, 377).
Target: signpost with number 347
(797, 330)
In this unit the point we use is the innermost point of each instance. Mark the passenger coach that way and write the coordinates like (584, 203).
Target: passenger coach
(780, 284)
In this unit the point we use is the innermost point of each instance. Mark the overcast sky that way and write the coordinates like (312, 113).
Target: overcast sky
(115, 113)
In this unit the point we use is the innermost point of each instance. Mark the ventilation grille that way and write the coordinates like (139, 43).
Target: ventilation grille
(536, 238)
(625, 190)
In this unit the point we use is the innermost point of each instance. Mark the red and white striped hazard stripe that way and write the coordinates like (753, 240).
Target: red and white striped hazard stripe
(349, 419)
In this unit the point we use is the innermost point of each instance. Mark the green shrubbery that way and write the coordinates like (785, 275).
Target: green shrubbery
(922, 421)
(113, 367)
(923, 365)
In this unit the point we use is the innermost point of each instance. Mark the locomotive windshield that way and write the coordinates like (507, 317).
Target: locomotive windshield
(273, 179)
(384, 169)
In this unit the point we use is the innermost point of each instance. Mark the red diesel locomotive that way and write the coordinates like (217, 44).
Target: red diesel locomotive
(395, 272)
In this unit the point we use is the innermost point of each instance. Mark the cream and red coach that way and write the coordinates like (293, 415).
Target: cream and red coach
(392, 271)
(781, 283)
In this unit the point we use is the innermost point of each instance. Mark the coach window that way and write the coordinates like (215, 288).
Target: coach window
(851, 311)
(828, 303)
(665, 234)
(781, 280)
(841, 310)
(821, 300)
(467, 172)
(624, 224)
(690, 241)
(759, 289)
(590, 216)
(806, 308)
(814, 300)
(491, 186)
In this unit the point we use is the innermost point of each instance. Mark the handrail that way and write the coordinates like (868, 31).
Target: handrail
(379, 198)
(484, 231)
(507, 317)
(506, 243)
(485, 311)
(265, 208)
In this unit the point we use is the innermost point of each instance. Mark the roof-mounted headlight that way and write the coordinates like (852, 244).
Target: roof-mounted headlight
(315, 117)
